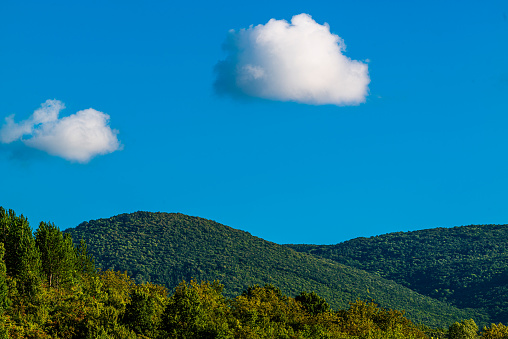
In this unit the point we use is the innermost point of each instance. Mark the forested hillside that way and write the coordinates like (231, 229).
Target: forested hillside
(167, 248)
(50, 289)
(466, 266)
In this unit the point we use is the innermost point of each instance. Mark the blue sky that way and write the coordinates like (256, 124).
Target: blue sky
(425, 148)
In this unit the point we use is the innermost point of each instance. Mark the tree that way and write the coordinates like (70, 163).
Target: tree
(57, 253)
(498, 331)
(85, 263)
(312, 303)
(367, 319)
(197, 311)
(22, 257)
(466, 329)
(144, 310)
(265, 312)
(4, 299)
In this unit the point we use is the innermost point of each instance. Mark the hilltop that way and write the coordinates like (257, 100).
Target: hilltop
(50, 288)
(165, 248)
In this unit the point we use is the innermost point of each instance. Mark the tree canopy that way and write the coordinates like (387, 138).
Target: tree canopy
(166, 248)
(465, 266)
(50, 288)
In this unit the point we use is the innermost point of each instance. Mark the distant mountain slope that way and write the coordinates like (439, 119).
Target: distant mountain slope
(466, 266)
(167, 248)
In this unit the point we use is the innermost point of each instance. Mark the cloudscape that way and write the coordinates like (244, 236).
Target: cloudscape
(297, 121)
(78, 137)
(301, 61)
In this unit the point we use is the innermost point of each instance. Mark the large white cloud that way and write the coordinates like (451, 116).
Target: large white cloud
(77, 137)
(299, 61)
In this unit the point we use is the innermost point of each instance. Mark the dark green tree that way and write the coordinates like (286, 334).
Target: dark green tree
(85, 263)
(22, 258)
(4, 298)
(196, 311)
(312, 303)
(144, 310)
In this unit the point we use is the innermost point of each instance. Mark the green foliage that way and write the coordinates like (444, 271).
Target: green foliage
(466, 266)
(466, 329)
(265, 310)
(144, 310)
(498, 331)
(367, 320)
(22, 257)
(84, 260)
(196, 311)
(4, 297)
(312, 303)
(73, 300)
(57, 253)
(166, 249)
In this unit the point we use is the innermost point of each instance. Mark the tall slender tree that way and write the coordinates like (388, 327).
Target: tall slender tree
(57, 253)
(4, 298)
(85, 263)
(22, 258)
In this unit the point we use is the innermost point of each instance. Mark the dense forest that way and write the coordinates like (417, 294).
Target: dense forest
(50, 287)
(466, 266)
(166, 248)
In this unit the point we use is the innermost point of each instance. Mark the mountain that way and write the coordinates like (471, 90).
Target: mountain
(166, 248)
(466, 266)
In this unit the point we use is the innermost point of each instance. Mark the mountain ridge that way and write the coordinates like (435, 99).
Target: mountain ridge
(466, 266)
(166, 248)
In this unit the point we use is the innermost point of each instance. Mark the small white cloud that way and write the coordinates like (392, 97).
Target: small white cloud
(299, 61)
(77, 137)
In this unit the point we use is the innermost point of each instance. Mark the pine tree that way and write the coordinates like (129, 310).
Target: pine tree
(22, 258)
(4, 298)
(144, 310)
(85, 263)
(57, 253)
(4, 224)
(312, 303)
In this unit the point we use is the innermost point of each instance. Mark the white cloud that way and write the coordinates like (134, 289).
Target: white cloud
(299, 61)
(77, 137)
